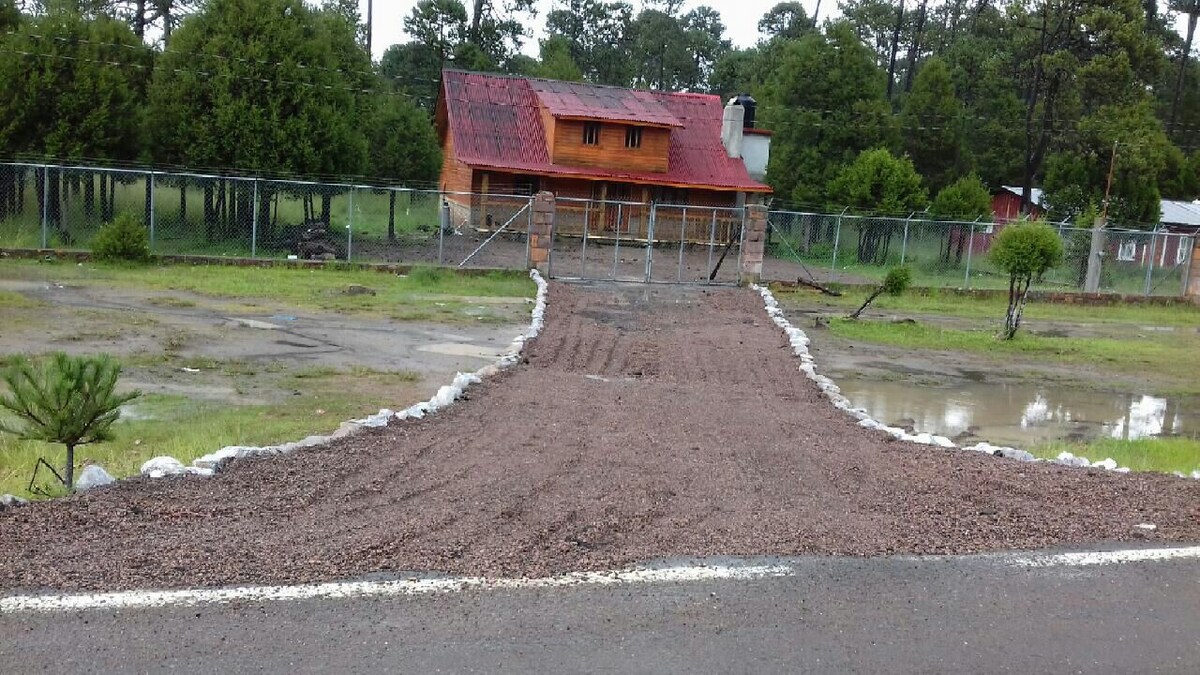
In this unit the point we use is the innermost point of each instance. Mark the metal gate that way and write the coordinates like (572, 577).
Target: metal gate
(648, 243)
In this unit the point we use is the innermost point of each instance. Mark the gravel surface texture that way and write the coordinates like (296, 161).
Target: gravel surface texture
(647, 422)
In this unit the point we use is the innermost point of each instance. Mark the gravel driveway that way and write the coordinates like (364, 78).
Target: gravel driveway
(648, 422)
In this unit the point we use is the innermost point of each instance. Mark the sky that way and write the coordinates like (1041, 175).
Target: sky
(740, 16)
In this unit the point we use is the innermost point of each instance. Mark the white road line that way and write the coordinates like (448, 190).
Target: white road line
(1087, 558)
(411, 587)
(363, 589)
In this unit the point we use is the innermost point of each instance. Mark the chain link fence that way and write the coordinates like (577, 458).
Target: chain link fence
(53, 206)
(49, 206)
(842, 248)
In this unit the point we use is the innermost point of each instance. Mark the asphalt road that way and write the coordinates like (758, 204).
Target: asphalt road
(956, 615)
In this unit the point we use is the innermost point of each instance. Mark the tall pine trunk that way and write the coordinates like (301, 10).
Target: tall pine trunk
(1193, 14)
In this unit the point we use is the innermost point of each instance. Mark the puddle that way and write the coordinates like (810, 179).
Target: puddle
(1023, 415)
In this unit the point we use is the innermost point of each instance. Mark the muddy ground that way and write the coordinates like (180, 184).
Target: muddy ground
(230, 350)
(647, 422)
(1010, 399)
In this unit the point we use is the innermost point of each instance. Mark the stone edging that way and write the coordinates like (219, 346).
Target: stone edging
(160, 467)
(799, 342)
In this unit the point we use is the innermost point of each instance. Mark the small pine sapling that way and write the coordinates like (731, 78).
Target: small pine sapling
(69, 400)
(895, 282)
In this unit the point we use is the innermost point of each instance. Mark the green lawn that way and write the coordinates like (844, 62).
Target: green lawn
(186, 428)
(315, 400)
(948, 303)
(1130, 344)
(1147, 454)
(424, 293)
(1159, 353)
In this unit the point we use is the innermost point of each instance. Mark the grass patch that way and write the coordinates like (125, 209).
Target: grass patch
(1148, 454)
(168, 301)
(14, 300)
(187, 428)
(1159, 354)
(415, 296)
(992, 309)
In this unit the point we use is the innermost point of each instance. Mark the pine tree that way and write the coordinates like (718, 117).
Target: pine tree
(70, 400)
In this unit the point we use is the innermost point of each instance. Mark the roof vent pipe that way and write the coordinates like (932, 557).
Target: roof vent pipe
(732, 125)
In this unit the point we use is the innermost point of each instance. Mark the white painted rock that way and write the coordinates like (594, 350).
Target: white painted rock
(1019, 455)
(943, 442)
(160, 467)
(93, 476)
(1068, 459)
(214, 459)
(10, 501)
(1108, 464)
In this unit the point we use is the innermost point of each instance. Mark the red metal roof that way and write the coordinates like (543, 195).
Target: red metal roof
(496, 123)
(576, 99)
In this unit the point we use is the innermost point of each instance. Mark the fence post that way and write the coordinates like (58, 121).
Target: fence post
(1190, 242)
(837, 239)
(712, 242)
(443, 224)
(617, 244)
(650, 240)
(529, 231)
(350, 228)
(970, 252)
(150, 181)
(587, 214)
(1149, 263)
(254, 221)
(904, 244)
(45, 206)
(682, 234)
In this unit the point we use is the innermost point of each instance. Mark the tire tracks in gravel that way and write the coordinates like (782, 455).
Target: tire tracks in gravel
(644, 423)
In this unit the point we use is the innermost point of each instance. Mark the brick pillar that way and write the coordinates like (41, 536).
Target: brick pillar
(541, 231)
(754, 240)
(1192, 289)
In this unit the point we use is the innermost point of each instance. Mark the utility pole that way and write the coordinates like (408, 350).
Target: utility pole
(1091, 281)
(370, 12)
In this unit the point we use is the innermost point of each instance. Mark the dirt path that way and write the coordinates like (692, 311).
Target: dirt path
(648, 422)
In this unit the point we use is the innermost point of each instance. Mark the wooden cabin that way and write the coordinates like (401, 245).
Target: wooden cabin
(607, 153)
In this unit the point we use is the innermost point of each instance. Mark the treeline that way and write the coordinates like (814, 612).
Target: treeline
(1032, 93)
(1057, 94)
(266, 87)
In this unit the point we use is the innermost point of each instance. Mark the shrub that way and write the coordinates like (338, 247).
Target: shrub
(1024, 250)
(124, 239)
(895, 282)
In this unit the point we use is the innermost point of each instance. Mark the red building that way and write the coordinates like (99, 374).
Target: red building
(607, 153)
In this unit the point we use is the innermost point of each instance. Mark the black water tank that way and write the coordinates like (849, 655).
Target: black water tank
(747, 101)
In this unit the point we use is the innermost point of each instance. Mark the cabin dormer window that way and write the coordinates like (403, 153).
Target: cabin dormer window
(633, 137)
(591, 133)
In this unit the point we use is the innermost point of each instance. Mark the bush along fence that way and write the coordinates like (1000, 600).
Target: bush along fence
(45, 206)
(859, 249)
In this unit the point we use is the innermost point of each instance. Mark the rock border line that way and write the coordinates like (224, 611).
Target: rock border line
(799, 342)
(736, 570)
(207, 465)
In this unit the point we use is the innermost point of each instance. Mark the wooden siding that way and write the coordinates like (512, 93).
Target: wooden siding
(610, 153)
(456, 176)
